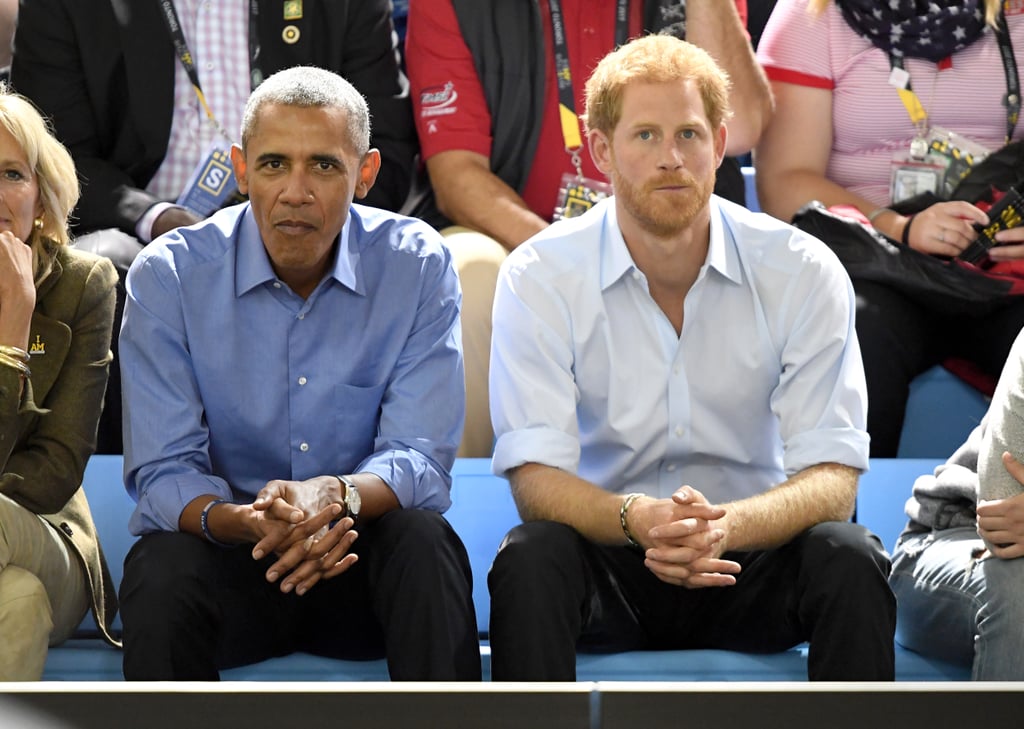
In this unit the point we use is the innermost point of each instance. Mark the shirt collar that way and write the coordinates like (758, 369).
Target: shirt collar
(723, 254)
(253, 264)
(723, 251)
(616, 260)
(346, 262)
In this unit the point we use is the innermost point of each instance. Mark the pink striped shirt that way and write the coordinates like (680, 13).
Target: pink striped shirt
(869, 122)
(217, 33)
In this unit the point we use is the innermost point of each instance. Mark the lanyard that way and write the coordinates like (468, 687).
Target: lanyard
(181, 49)
(566, 97)
(1011, 101)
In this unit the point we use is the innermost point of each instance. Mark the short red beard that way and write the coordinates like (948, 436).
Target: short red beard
(662, 218)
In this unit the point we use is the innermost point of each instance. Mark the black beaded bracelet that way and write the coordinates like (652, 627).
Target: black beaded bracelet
(905, 237)
(205, 525)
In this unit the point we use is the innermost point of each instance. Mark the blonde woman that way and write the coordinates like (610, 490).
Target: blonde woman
(56, 317)
(859, 87)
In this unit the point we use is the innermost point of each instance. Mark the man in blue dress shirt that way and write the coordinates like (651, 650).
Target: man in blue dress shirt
(680, 405)
(293, 380)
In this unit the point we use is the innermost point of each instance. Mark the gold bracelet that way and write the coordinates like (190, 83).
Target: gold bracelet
(21, 367)
(15, 352)
(626, 503)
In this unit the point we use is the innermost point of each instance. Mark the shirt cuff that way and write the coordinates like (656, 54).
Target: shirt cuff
(846, 446)
(546, 446)
(144, 228)
(416, 482)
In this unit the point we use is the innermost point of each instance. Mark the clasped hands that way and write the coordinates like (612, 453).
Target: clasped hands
(683, 539)
(294, 519)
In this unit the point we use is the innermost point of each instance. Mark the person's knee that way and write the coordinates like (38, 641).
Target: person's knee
(414, 525)
(477, 259)
(1002, 597)
(535, 549)
(844, 571)
(470, 247)
(482, 268)
(847, 551)
(25, 610)
(111, 243)
(26, 625)
(539, 576)
(414, 556)
(162, 571)
(417, 537)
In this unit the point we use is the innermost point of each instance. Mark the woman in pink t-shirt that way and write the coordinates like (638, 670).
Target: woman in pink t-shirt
(860, 88)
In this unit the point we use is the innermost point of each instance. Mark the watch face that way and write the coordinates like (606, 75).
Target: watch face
(352, 499)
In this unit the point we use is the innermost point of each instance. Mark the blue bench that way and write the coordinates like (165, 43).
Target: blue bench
(941, 412)
(482, 512)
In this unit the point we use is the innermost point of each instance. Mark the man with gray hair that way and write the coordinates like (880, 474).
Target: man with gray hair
(277, 360)
(148, 95)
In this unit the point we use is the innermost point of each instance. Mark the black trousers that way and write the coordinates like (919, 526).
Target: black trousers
(553, 592)
(190, 608)
(900, 339)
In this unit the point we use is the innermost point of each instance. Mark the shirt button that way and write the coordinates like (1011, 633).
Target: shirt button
(304, 447)
(302, 316)
(679, 431)
(277, 284)
(302, 380)
(670, 467)
(209, 66)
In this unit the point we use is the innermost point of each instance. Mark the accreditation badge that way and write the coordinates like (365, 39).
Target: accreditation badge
(578, 194)
(212, 184)
(912, 176)
(957, 153)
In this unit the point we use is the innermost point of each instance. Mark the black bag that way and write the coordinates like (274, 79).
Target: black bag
(945, 286)
(951, 287)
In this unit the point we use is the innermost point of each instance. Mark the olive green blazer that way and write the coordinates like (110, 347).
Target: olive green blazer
(48, 434)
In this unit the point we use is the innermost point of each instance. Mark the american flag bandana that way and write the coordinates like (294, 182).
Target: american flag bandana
(928, 29)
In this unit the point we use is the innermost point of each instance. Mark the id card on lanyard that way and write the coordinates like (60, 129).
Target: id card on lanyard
(211, 185)
(577, 193)
(938, 159)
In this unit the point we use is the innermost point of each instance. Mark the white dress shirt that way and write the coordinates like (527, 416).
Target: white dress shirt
(588, 374)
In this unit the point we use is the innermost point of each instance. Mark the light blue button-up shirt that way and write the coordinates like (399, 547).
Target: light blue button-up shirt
(230, 379)
(588, 374)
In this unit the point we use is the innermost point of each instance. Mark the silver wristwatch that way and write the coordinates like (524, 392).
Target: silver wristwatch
(350, 498)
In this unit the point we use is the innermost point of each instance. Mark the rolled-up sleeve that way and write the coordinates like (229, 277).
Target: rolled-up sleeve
(821, 398)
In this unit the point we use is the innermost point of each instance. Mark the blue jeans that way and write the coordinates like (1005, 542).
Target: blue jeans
(958, 606)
